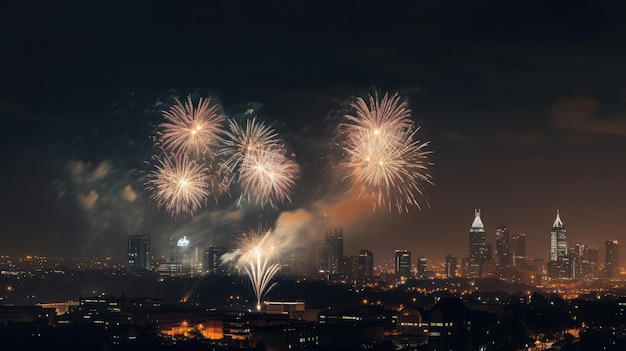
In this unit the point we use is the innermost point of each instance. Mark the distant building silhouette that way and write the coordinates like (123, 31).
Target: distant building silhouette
(611, 258)
(215, 260)
(403, 263)
(451, 266)
(502, 246)
(138, 253)
(422, 267)
(332, 252)
(518, 247)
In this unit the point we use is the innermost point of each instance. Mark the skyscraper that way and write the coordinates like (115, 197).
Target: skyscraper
(560, 264)
(215, 260)
(366, 265)
(332, 252)
(403, 263)
(558, 239)
(611, 258)
(518, 247)
(451, 266)
(502, 246)
(422, 266)
(138, 254)
(477, 247)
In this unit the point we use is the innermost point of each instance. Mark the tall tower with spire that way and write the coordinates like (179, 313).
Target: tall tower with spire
(477, 247)
(560, 264)
(558, 239)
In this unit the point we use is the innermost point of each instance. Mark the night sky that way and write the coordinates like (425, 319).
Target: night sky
(524, 105)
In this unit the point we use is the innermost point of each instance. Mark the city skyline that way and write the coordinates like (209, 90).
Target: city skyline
(523, 117)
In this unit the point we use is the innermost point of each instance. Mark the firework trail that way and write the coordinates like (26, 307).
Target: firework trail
(180, 185)
(258, 161)
(384, 160)
(193, 130)
(259, 260)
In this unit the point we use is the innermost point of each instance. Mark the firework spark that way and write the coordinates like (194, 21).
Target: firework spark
(267, 177)
(384, 160)
(192, 129)
(179, 185)
(259, 260)
(241, 142)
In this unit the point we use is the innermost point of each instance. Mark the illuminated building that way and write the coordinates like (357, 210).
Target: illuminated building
(365, 271)
(215, 260)
(451, 266)
(560, 264)
(502, 246)
(518, 247)
(422, 267)
(611, 258)
(332, 252)
(138, 252)
(477, 247)
(558, 239)
(403, 263)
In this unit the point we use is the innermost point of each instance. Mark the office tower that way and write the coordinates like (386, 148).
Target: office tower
(518, 245)
(138, 252)
(611, 258)
(502, 246)
(422, 267)
(403, 263)
(217, 263)
(332, 252)
(182, 254)
(477, 247)
(592, 254)
(303, 264)
(366, 265)
(558, 239)
(560, 264)
(451, 266)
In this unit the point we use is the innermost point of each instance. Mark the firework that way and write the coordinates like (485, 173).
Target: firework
(190, 129)
(267, 177)
(180, 185)
(259, 260)
(241, 142)
(384, 160)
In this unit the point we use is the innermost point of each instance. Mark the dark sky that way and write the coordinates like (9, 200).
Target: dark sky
(524, 105)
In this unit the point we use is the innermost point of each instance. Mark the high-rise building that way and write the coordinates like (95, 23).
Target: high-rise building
(502, 246)
(216, 262)
(560, 265)
(451, 266)
(558, 239)
(332, 252)
(611, 258)
(182, 254)
(477, 247)
(403, 263)
(303, 262)
(518, 246)
(422, 267)
(366, 266)
(138, 252)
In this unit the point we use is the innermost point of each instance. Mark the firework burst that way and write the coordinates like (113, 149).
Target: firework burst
(259, 260)
(257, 159)
(180, 185)
(240, 142)
(384, 160)
(190, 129)
(267, 177)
